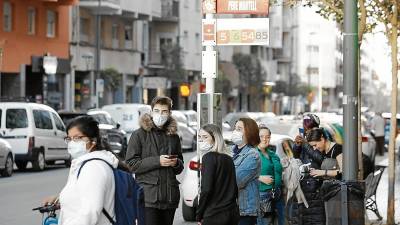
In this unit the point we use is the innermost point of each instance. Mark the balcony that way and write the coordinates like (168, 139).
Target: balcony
(102, 7)
(169, 11)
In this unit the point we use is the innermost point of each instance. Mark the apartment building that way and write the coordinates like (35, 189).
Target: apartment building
(31, 30)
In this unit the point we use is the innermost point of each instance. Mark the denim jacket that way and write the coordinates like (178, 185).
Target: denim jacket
(248, 167)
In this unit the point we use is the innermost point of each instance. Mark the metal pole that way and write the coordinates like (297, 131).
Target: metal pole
(350, 100)
(98, 50)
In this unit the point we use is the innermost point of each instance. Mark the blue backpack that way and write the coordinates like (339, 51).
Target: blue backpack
(129, 198)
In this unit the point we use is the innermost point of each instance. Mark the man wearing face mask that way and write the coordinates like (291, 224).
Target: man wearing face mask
(155, 156)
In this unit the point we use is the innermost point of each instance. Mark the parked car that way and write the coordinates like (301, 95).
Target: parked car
(186, 133)
(109, 130)
(190, 181)
(127, 115)
(6, 159)
(35, 132)
(191, 117)
(231, 118)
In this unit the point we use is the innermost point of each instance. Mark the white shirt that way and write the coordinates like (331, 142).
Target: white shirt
(83, 199)
(378, 126)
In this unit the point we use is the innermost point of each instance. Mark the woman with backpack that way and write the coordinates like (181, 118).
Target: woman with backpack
(218, 192)
(88, 196)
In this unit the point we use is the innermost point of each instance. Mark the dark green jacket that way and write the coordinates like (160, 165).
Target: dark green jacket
(271, 166)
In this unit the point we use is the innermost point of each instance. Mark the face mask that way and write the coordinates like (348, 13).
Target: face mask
(159, 120)
(237, 137)
(77, 149)
(205, 147)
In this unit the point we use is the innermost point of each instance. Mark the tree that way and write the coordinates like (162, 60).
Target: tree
(251, 76)
(171, 56)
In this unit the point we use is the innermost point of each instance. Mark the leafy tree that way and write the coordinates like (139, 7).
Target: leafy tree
(112, 78)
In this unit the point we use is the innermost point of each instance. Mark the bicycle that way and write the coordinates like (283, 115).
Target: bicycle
(51, 217)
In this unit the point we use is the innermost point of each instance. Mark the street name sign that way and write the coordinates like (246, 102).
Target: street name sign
(243, 31)
(258, 7)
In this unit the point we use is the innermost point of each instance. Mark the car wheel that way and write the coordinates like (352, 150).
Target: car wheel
(21, 165)
(39, 164)
(8, 168)
(67, 162)
(189, 213)
(194, 144)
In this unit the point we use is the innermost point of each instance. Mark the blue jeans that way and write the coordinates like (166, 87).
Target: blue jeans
(280, 210)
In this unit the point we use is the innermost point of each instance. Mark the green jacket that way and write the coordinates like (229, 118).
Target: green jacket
(270, 166)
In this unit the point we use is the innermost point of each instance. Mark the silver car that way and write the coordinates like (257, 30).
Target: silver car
(6, 159)
(186, 133)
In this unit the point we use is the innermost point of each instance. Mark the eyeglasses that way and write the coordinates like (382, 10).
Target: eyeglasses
(76, 139)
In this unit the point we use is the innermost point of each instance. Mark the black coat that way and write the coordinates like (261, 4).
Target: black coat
(298, 214)
(161, 188)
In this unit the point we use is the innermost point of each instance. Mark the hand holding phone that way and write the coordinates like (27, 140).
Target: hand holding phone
(301, 131)
(172, 156)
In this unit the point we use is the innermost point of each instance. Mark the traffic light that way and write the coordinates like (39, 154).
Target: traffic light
(185, 90)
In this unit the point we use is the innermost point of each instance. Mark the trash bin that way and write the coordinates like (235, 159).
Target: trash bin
(344, 199)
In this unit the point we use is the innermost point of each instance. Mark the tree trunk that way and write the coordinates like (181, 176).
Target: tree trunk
(392, 36)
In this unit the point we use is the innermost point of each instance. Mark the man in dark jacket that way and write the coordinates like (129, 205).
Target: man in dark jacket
(155, 156)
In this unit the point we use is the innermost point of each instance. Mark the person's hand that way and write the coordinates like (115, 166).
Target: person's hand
(49, 200)
(299, 140)
(166, 162)
(198, 223)
(266, 179)
(317, 173)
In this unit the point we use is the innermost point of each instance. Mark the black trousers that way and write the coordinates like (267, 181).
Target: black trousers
(230, 217)
(248, 220)
(380, 143)
(155, 216)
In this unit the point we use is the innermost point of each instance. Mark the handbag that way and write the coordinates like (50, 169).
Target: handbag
(266, 203)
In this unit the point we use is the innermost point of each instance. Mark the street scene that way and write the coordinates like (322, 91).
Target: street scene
(236, 112)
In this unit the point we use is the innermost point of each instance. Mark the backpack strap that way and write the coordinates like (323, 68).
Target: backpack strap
(79, 172)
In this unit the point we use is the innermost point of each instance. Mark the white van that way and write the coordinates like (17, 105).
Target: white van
(127, 115)
(35, 132)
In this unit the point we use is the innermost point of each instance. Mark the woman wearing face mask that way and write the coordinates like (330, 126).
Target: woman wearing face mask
(270, 179)
(247, 163)
(332, 164)
(218, 192)
(83, 198)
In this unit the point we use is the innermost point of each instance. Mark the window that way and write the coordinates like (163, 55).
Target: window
(7, 17)
(0, 117)
(42, 119)
(197, 43)
(59, 124)
(84, 29)
(51, 24)
(31, 21)
(313, 48)
(16, 118)
(115, 36)
(128, 36)
(186, 41)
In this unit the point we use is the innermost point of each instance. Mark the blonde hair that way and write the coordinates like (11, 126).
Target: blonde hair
(216, 134)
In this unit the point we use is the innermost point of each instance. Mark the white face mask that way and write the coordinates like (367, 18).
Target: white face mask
(77, 149)
(205, 147)
(159, 120)
(237, 137)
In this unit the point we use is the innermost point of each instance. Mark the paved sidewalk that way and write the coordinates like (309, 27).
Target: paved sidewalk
(382, 192)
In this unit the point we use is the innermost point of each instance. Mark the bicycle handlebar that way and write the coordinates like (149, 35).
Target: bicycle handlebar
(47, 208)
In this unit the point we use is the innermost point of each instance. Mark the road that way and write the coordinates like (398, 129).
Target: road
(25, 190)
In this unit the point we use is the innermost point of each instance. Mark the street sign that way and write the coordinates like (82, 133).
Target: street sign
(243, 31)
(258, 7)
(209, 64)
(209, 32)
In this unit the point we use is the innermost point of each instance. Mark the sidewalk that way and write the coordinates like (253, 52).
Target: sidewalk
(382, 192)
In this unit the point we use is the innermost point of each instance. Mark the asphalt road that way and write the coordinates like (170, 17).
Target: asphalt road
(25, 190)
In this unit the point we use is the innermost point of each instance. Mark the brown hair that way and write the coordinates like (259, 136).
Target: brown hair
(251, 131)
(162, 100)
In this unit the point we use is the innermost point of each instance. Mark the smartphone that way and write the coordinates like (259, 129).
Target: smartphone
(172, 156)
(301, 131)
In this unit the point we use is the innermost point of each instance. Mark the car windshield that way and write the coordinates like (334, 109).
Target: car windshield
(103, 119)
